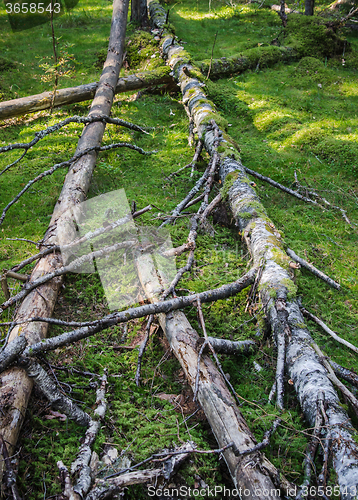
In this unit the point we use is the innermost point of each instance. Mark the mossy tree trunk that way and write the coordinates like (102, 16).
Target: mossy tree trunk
(277, 289)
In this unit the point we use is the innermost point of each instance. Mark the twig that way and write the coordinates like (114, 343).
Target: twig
(161, 457)
(76, 264)
(352, 399)
(212, 54)
(198, 150)
(48, 387)
(313, 269)
(328, 330)
(10, 474)
(142, 349)
(265, 441)
(72, 119)
(68, 163)
(296, 194)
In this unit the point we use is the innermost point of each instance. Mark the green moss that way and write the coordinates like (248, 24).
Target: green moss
(229, 181)
(281, 258)
(140, 47)
(290, 286)
(309, 36)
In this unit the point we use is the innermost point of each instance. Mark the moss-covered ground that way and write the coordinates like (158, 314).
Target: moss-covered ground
(296, 118)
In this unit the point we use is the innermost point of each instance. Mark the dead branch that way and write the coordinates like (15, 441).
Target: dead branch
(344, 373)
(197, 153)
(313, 269)
(352, 399)
(50, 390)
(124, 316)
(224, 346)
(80, 467)
(298, 195)
(10, 479)
(180, 207)
(266, 439)
(142, 349)
(76, 264)
(78, 241)
(68, 163)
(170, 462)
(71, 119)
(328, 330)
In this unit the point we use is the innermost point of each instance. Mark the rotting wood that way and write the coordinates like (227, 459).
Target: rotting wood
(276, 287)
(72, 95)
(15, 385)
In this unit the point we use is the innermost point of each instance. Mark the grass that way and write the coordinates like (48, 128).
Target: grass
(291, 118)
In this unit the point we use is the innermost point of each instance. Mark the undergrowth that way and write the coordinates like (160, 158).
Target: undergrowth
(297, 118)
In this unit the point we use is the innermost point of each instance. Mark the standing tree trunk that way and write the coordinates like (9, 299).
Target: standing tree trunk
(139, 12)
(309, 7)
(15, 385)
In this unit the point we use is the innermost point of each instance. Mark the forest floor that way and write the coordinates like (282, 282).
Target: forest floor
(291, 118)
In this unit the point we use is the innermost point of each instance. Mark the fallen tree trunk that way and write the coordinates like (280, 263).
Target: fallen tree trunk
(251, 472)
(277, 289)
(255, 58)
(71, 95)
(15, 385)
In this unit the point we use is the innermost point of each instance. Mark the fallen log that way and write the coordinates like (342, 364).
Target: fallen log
(15, 385)
(252, 472)
(277, 289)
(255, 58)
(71, 95)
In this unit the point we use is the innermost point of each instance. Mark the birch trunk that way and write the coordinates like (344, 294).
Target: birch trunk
(277, 289)
(71, 95)
(15, 385)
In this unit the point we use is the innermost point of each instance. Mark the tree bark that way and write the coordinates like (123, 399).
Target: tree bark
(309, 7)
(71, 95)
(277, 289)
(15, 385)
(139, 12)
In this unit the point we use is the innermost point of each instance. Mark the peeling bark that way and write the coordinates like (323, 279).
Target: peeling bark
(277, 289)
(15, 385)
